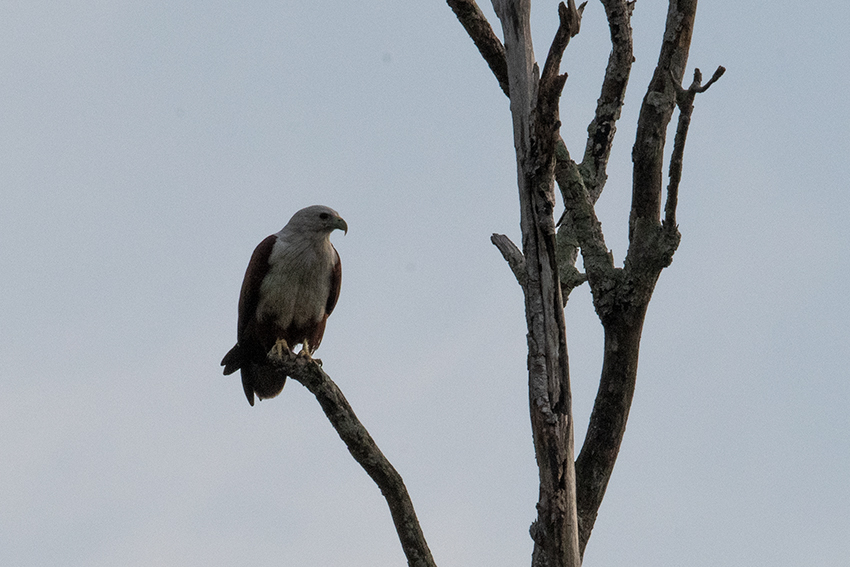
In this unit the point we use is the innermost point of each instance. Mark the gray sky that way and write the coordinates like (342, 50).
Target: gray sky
(146, 148)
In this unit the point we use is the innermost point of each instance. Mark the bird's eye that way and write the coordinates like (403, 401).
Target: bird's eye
(324, 216)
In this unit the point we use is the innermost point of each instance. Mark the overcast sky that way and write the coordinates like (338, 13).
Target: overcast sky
(147, 147)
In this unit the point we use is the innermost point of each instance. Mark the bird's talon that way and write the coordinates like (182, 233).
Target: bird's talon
(305, 353)
(280, 351)
(306, 350)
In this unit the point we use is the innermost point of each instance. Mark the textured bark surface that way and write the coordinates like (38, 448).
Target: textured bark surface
(656, 111)
(534, 108)
(620, 295)
(476, 25)
(601, 130)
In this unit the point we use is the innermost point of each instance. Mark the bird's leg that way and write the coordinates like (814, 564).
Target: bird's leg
(280, 347)
(306, 351)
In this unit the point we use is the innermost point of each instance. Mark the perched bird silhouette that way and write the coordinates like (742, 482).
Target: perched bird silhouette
(290, 287)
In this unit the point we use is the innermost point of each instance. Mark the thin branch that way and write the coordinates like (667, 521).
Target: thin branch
(512, 256)
(476, 25)
(685, 102)
(551, 81)
(364, 450)
(570, 23)
(717, 74)
(601, 130)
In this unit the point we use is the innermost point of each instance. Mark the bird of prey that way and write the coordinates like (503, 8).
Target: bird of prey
(290, 287)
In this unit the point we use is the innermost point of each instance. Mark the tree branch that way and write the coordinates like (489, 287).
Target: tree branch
(651, 249)
(655, 114)
(580, 219)
(551, 83)
(476, 25)
(607, 425)
(512, 255)
(364, 450)
(580, 210)
(685, 102)
(601, 130)
(591, 175)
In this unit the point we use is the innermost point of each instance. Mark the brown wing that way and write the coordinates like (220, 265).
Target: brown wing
(246, 343)
(247, 346)
(249, 297)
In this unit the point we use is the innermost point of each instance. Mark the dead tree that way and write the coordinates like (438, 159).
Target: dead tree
(571, 489)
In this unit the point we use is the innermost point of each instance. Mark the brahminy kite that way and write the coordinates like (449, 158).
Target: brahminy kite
(290, 287)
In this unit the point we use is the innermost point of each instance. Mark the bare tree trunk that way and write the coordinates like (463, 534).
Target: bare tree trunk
(534, 103)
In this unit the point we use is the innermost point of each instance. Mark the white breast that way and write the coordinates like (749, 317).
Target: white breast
(297, 286)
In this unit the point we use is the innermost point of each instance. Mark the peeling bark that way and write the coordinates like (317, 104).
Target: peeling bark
(534, 108)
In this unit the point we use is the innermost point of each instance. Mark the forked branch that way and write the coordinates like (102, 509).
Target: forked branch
(651, 249)
(655, 113)
(685, 102)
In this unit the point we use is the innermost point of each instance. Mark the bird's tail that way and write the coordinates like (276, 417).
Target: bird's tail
(233, 360)
(263, 379)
